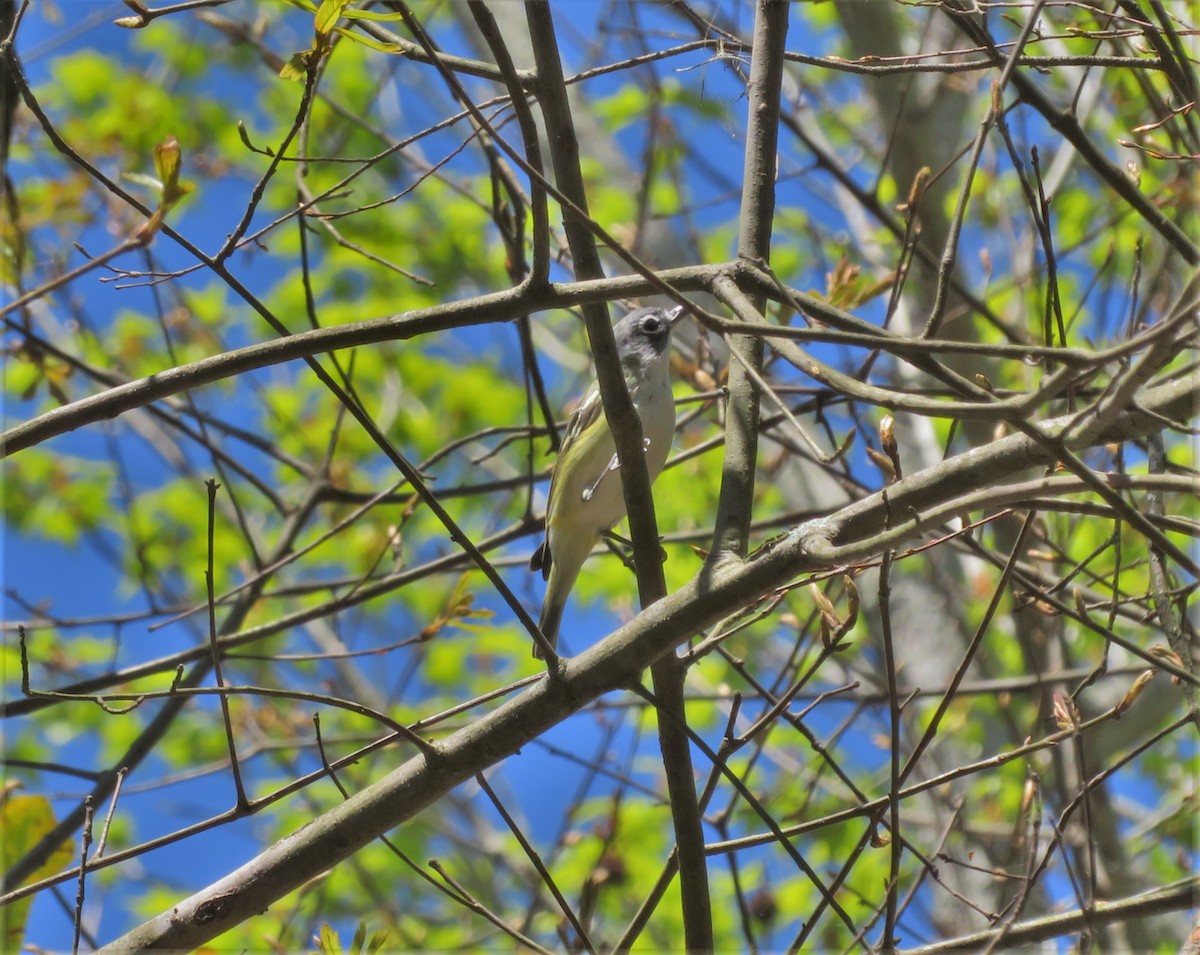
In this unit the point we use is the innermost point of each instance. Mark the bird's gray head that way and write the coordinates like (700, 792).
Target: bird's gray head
(643, 337)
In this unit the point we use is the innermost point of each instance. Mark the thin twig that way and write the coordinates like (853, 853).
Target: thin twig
(234, 766)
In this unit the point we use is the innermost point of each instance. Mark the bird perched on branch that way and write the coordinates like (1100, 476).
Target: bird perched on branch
(586, 498)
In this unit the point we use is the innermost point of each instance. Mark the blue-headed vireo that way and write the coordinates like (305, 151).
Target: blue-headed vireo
(586, 498)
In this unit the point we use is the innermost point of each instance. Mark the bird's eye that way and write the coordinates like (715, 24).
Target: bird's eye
(652, 325)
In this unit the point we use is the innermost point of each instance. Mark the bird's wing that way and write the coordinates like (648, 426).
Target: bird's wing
(585, 414)
(589, 410)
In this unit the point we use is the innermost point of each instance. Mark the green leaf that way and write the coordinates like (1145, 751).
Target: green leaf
(168, 160)
(370, 15)
(24, 820)
(296, 68)
(369, 41)
(328, 14)
(327, 941)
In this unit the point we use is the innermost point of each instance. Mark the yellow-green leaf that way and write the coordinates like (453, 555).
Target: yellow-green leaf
(369, 15)
(369, 41)
(24, 820)
(167, 158)
(296, 68)
(328, 14)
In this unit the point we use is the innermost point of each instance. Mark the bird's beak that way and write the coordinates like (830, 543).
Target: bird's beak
(674, 314)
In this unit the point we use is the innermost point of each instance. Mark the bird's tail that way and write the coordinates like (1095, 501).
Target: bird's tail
(548, 621)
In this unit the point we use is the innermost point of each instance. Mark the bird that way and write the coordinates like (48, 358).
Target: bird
(586, 498)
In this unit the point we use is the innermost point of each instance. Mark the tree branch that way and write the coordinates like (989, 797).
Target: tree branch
(1172, 898)
(755, 219)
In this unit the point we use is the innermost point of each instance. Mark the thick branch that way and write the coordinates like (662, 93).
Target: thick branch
(1173, 898)
(757, 213)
